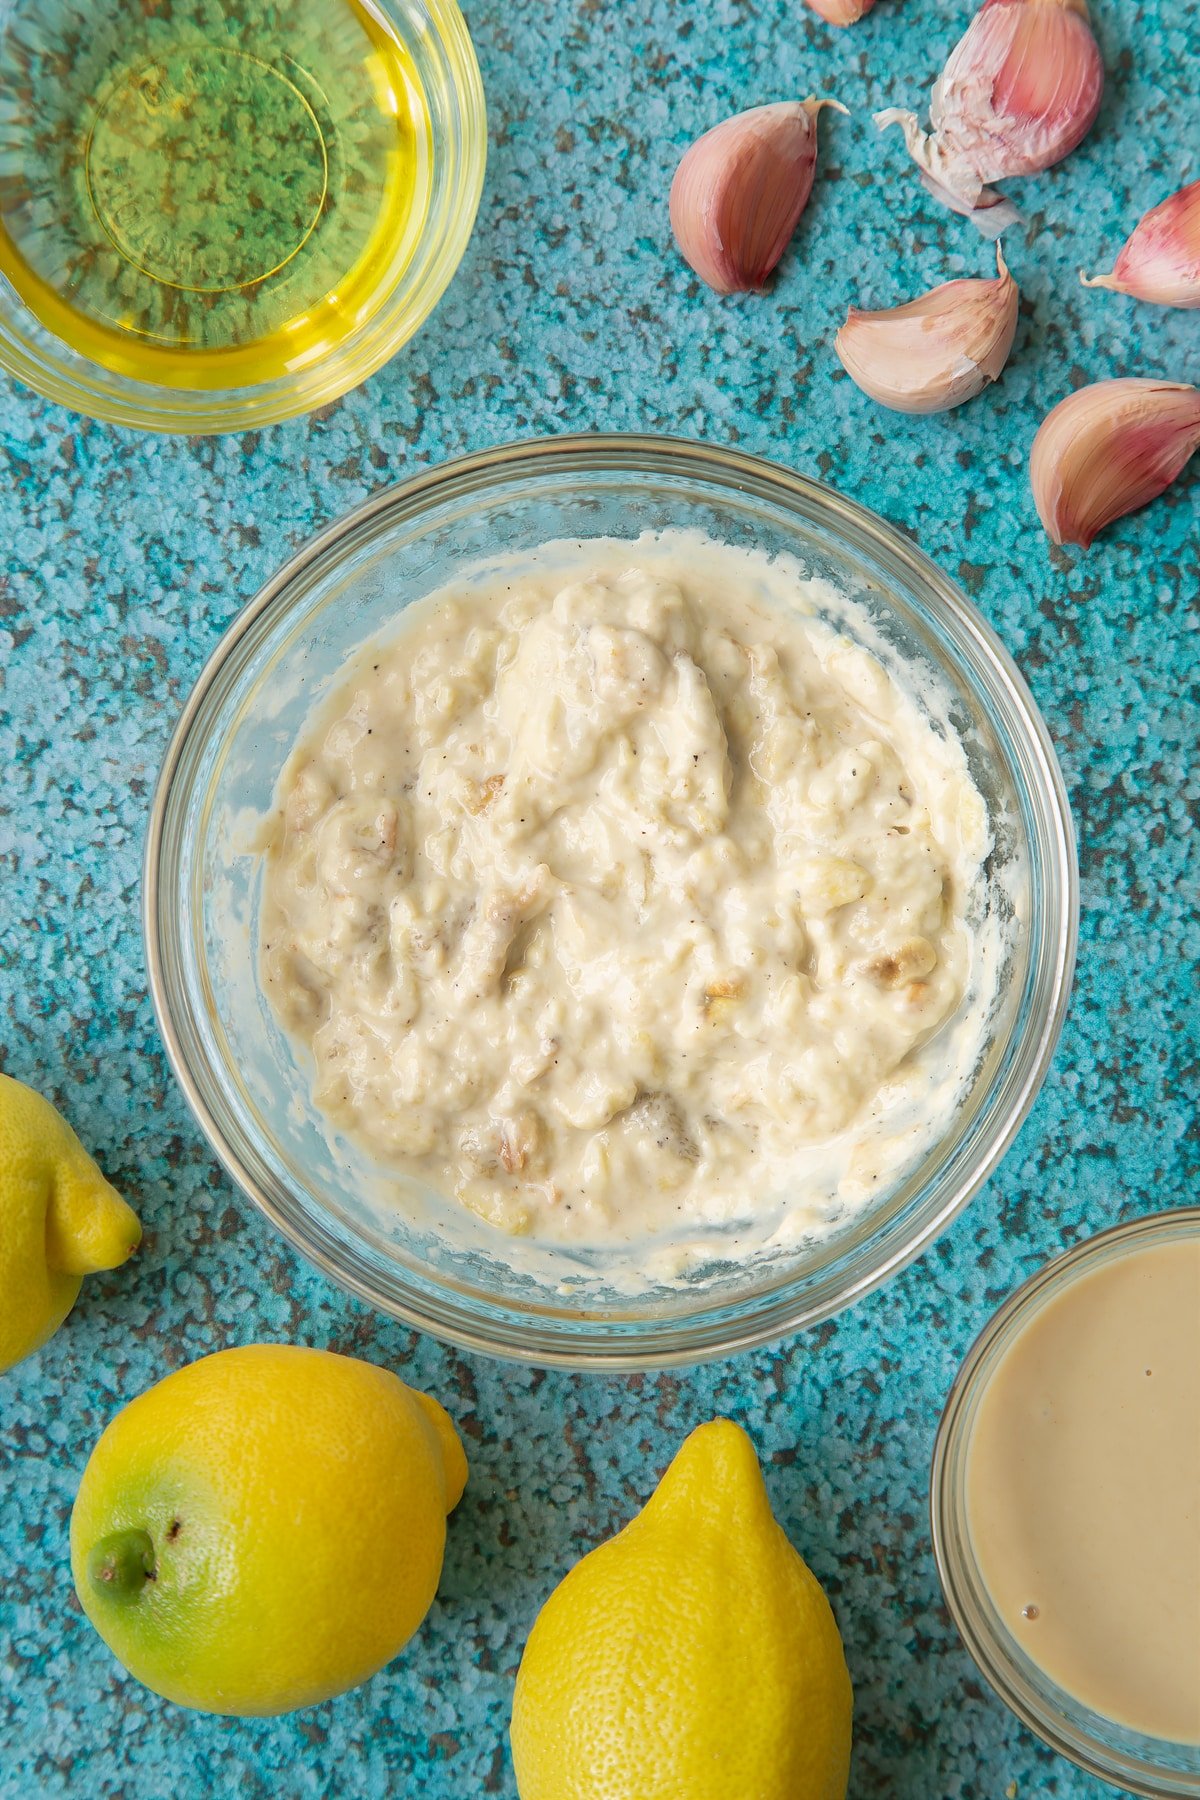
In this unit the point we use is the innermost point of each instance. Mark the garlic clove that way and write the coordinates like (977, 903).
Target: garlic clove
(1020, 90)
(1108, 449)
(841, 12)
(1160, 260)
(740, 189)
(938, 350)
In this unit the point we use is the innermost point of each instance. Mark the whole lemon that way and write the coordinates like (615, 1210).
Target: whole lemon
(692, 1657)
(59, 1221)
(265, 1527)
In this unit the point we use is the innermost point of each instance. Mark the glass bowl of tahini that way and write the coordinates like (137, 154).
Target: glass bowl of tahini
(1065, 1503)
(220, 213)
(789, 1238)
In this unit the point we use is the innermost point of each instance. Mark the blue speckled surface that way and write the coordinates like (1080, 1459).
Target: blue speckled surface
(125, 558)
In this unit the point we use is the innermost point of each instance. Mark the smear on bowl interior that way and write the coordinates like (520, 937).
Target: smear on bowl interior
(207, 195)
(627, 896)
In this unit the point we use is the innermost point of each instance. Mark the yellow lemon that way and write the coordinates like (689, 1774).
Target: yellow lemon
(692, 1657)
(59, 1221)
(265, 1528)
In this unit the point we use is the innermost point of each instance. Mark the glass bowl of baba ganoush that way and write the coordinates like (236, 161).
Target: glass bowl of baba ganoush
(610, 901)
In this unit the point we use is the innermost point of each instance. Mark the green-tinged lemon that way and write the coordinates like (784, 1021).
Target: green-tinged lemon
(265, 1528)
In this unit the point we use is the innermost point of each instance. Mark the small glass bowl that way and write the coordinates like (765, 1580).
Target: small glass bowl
(436, 38)
(446, 1273)
(1116, 1753)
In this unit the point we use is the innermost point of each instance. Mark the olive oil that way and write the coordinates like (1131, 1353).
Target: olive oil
(207, 193)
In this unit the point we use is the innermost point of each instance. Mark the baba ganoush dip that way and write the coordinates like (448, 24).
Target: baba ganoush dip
(621, 894)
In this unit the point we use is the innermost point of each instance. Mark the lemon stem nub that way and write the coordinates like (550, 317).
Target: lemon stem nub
(122, 1564)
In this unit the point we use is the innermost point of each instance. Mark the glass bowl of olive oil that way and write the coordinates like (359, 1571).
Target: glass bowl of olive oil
(216, 214)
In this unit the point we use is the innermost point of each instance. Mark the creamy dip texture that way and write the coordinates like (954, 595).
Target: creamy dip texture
(616, 897)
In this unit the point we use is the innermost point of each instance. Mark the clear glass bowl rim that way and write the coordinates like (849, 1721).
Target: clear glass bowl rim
(977, 1623)
(543, 1339)
(72, 380)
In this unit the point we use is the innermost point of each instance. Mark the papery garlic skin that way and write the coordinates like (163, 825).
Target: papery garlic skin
(1108, 449)
(1020, 90)
(1160, 259)
(987, 209)
(937, 351)
(841, 12)
(740, 189)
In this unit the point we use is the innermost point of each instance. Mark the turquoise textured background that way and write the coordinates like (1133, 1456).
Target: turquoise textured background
(125, 557)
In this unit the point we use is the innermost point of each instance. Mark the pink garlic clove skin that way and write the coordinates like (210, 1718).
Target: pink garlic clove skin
(1020, 90)
(739, 192)
(841, 12)
(1108, 449)
(937, 351)
(1160, 260)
